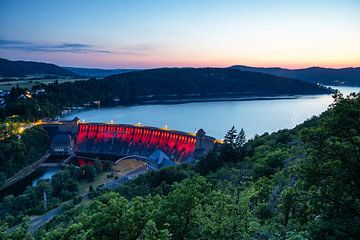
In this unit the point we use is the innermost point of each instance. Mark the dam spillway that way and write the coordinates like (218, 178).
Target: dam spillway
(125, 140)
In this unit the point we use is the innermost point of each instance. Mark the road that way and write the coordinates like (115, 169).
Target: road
(36, 223)
(112, 185)
(26, 171)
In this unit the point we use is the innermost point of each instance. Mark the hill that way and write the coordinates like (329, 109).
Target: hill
(157, 85)
(24, 68)
(325, 76)
(97, 72)
(178, 84)
(205, 82)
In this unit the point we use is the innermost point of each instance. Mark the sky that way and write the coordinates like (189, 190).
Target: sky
(167, 33)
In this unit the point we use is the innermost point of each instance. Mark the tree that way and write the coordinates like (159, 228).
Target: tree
(180, 207)
(330, 173)
(64, 185)
(89, 172)
(152, 233)
(240, 139)
(98, 166)
(209, 163)
(20, 233)
(240, 142)
(230, 137)
(228, 151)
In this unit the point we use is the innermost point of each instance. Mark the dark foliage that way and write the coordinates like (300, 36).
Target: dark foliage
(17, 152)
(21, 68)
(326, 76)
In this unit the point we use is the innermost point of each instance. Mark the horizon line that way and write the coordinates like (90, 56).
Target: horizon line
(190, 66)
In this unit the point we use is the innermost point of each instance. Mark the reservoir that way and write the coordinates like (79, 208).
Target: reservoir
(255, 116)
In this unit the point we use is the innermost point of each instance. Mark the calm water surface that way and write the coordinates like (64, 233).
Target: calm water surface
(256, 117)
(45, 175)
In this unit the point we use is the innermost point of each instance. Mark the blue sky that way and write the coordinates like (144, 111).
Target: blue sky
(153, 33)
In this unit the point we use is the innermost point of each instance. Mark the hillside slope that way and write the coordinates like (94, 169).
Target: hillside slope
(326, 76)
(22, 68)
(178, 84)
(168, 82)
(97, 72)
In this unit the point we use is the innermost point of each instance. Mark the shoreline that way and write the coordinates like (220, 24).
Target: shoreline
(200, 100)
(220, 99)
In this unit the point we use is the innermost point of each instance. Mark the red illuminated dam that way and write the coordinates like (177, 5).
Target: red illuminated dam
(127, 140)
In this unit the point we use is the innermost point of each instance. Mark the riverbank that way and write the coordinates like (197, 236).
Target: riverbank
(203, 99)
(223, 99)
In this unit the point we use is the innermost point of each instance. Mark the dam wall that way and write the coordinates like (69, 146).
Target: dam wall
(125, 140)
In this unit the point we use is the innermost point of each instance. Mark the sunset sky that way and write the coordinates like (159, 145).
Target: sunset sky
(156, 33)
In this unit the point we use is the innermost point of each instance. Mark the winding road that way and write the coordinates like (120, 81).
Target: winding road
(36, 223)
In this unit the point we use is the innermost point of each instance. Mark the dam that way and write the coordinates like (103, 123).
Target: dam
(125, 140)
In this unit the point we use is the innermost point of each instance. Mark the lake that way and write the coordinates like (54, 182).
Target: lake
(255, 116)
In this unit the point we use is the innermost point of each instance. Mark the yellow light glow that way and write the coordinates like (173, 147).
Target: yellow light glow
(28, 94)
(219, 141)
(21, 130)
(39, 122)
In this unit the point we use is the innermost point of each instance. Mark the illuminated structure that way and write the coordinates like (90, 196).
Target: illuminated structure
(122, 140)
(135, 140)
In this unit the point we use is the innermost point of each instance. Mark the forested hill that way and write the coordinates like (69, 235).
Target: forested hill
(22, 68)
(326, 76)
(206, 82)
(147, 86)
(97, 72)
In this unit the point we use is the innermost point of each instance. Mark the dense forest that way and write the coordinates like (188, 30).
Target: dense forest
(301, 183)
(64, 186)
(19, 151)
(153, 85)
(96, 72)
(326, 76)
(23, 68)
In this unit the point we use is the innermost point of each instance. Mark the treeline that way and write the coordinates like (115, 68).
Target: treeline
(23, 68)
(19, 151)
(153, 85)
(302, 183)
(46, 195)
(29, 109)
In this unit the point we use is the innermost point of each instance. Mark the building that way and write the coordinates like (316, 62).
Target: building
(62, 144)
(204, 144)
(157, 160)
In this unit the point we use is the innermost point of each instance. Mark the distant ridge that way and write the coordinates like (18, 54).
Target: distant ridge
(97, 72)
(326, 76)
(23, 68)
(208, 82)
(178, 85)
